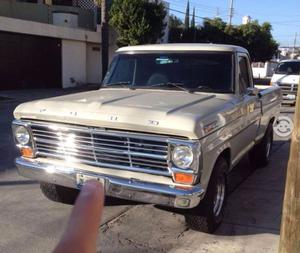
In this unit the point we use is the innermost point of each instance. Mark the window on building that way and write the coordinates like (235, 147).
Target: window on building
(64, 2)
(28, 1)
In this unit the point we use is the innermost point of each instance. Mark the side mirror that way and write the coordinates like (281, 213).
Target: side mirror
(253, 91)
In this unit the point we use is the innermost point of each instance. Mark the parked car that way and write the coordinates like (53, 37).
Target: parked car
(286, 76)
(166, 127)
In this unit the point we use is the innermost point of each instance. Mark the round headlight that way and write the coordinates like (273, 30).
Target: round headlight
(22, 135)
(182, 156)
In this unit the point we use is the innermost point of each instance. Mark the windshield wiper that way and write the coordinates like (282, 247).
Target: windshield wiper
(202, 87)
(177, 85)
(122, 84)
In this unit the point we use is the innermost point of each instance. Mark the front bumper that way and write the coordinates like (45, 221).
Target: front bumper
(161, 194)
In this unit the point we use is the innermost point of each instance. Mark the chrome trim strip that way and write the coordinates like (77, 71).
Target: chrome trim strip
(161, 194)
(106, 165)
(99, 130)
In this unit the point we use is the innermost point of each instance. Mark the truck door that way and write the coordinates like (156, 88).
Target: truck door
(251, 103)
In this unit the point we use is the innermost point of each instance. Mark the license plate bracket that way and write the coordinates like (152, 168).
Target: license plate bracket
(81, 179)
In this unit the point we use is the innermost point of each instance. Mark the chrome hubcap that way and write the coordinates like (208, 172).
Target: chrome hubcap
(219, 196)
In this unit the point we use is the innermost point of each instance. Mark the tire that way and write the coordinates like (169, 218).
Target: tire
(59, 193)
(260, 154)
(209, 214)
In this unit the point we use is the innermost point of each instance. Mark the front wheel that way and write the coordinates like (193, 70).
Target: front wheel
(209, 214)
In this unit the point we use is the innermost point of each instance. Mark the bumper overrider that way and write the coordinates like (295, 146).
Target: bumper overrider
(131, 189)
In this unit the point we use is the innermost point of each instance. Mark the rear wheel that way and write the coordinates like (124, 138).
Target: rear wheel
(59, 193)
(260, 154)
(209, 214)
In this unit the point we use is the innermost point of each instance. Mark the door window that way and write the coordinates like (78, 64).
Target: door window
(244, 80)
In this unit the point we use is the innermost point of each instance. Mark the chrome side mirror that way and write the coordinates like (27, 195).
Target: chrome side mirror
(253, 91)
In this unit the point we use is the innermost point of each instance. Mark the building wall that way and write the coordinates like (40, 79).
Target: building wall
(80, 62)
(47, 30)
(74, 58)
(93, 63)
(44, 13)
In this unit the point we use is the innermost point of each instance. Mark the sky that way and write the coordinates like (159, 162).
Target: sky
(284, 16)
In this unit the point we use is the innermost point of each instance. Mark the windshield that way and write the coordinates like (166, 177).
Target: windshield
(288, 68)
(211, 72)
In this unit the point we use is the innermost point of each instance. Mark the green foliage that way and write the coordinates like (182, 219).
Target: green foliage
(256, 38)
(187, 16)
(174, 22)
(137, 21)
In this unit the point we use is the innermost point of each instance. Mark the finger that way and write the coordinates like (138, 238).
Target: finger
(82, 229)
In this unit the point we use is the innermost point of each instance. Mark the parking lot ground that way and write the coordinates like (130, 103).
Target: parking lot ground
(31, 223)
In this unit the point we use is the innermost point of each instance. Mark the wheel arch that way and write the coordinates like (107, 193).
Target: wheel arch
(226, 155)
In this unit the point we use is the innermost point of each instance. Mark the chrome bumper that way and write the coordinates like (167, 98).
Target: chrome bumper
(131, 189)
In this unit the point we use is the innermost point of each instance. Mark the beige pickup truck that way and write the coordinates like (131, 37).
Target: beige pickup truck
(166, 127)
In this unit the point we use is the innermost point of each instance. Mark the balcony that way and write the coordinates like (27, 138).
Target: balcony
(74, 17)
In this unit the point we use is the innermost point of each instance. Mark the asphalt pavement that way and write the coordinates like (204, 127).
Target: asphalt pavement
(31, 223)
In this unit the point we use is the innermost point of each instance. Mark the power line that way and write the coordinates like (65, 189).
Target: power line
(203, 6)
(199, 7)
(181, 12)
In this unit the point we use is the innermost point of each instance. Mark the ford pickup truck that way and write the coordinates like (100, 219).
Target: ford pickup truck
(167, 125)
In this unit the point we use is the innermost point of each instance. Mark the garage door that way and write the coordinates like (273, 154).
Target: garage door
(29, 62)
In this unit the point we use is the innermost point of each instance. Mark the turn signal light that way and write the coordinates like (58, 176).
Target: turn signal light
(27, 152)
(184, 178)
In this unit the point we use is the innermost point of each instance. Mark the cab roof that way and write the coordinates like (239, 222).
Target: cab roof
(184, 47)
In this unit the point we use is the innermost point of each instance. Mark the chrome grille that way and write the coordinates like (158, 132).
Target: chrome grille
(288, 88)
(103, 148)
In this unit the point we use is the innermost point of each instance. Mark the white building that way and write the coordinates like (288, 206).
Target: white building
(246, 20)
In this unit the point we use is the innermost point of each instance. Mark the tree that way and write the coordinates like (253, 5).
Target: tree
(137, 21)
(193, 22)
(187, 16)
(256, 38)
(174, 22)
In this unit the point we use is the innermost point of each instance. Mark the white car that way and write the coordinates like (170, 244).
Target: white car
(286, 76)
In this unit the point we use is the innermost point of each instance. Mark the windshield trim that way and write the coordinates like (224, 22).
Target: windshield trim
(133, 87)
(285, 72)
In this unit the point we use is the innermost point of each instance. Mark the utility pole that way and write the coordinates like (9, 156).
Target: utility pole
(290, 222)
(230, 13)
(295, 41)
(218, 12)
(104, 36)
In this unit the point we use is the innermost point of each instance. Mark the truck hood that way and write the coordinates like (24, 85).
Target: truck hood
(168, 112)
(287, 79)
